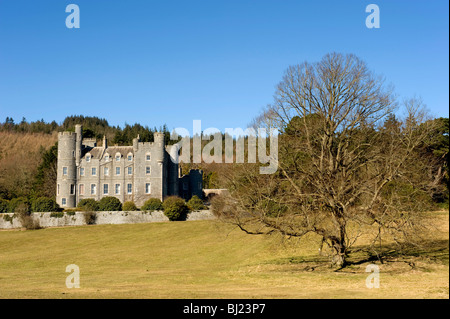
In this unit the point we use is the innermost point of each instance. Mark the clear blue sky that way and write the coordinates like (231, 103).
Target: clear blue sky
(156, 62)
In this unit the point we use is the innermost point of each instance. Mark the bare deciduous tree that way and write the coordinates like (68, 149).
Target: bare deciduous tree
(343, 159)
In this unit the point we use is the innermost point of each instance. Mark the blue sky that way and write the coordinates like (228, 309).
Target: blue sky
(172, 62)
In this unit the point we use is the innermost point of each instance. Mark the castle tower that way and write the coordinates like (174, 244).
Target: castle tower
(67, 168)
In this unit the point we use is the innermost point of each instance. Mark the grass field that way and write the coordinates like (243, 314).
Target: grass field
(206, 259)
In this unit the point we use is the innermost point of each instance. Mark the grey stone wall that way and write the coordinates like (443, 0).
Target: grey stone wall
(125, 217)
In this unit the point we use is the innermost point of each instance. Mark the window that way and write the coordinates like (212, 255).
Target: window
(106, 170)
(81, 189)
(117, 170)
(93, 189)
(130, 157)
(147, 188)
(130, 170)
(147, 157)
(106, 157)
(81, 171)
(129, 188)
(88, 158)
(117, 189)
(94, 171)
(147, 170)
(105, 189)
(117, 158)
(72, 189)
(64, 170)
(57, 189)
(64, 201)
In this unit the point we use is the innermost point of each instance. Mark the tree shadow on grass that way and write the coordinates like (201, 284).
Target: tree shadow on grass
(435, 251)
(427, 251)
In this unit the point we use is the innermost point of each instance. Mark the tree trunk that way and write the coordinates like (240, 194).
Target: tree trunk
(338, 259)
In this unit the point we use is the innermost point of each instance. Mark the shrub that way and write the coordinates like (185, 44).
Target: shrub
(195, 203)
(88, 204)
(3, 205)
(44, 204)
(109, 203)
(14, 204)
(152, 204)
(9, 218)
(90, 218)
(57, 214)
(70, 211)
(129, 206)
(24, 215)
(175, 208)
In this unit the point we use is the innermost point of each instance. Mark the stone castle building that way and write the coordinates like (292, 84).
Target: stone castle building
(130, 173)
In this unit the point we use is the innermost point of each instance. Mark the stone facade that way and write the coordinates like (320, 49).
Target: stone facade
(130, 173)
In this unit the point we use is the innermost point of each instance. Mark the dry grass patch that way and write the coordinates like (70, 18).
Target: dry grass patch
(207, 259)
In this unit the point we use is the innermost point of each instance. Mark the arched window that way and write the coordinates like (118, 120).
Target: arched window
(107, 157)
(88, 157)
(130, 157)
(118, 156)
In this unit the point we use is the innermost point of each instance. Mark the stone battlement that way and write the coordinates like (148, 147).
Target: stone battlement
(146, 143)
(66, 133)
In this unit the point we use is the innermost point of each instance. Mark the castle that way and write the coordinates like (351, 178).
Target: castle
(130, 173)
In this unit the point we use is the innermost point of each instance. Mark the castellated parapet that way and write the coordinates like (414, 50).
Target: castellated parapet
(131, 173)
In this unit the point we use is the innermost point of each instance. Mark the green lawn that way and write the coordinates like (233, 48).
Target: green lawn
(203, 259)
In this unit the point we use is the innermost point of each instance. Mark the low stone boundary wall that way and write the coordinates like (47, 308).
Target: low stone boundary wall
(9, 221)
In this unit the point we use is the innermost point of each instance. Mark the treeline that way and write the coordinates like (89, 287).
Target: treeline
(93, 127)
(39, 126)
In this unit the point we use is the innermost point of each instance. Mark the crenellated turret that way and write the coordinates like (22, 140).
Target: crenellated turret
(67, 169)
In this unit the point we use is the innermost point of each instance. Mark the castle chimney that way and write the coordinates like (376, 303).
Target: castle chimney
(105, 142)
(79, 141)
(136, 142)
(159, 150)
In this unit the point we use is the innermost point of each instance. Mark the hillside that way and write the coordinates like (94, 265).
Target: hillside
(20, 156)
